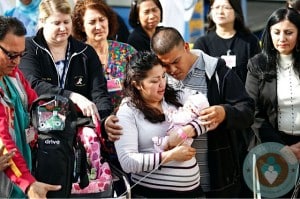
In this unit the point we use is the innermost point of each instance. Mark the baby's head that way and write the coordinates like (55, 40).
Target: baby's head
(196, 103)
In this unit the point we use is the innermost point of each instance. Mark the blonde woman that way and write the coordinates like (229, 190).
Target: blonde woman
(57, 63)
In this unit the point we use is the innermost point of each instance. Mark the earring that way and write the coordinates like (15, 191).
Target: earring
(297, 48)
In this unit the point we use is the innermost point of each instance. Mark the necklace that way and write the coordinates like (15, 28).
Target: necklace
(103, 55)
(105, 65)
(228, 43)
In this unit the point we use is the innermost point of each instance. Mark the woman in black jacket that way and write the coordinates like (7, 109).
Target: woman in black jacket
(228, 37)
(144, 17)
(56, 63)
(273, 81)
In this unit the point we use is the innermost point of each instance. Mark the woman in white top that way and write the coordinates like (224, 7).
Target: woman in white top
(168, 174)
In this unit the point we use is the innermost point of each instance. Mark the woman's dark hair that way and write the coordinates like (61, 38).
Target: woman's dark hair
(134, 12)
(268, 48)
(99, 5)
(137, 70)
(239, 22)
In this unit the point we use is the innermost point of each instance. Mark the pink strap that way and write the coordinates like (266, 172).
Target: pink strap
(98, 128)
(182, 134)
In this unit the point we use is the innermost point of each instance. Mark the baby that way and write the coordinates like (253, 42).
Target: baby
(181, 117)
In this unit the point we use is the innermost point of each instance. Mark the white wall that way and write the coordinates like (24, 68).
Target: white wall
(6, 5)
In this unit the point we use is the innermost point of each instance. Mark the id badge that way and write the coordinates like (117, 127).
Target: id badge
(230, 60)
(114, 85)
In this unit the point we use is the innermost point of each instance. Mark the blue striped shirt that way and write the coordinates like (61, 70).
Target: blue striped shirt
(196, 80)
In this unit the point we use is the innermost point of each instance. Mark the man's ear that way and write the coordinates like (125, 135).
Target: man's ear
(187, 47)
(136, 85)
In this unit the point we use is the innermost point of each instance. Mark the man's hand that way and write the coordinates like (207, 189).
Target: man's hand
(212, 117)
(113, 130)
(178, 153)
(5, 158)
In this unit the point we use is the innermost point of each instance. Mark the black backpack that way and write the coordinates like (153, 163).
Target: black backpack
(58, 156)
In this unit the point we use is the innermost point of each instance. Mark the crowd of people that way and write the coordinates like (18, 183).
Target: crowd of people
(134, 87)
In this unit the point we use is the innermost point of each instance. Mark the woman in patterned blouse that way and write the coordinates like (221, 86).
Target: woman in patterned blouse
(93, 22)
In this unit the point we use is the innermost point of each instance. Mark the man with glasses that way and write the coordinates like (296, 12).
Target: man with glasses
(16, 97)
(12, 55)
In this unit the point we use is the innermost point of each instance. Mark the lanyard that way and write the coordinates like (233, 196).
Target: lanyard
(228, 43)
(65, 68)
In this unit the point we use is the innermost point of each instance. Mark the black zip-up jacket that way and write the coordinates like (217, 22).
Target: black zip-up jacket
(84, 74)
(224, 88)
(223, 154)
(261, 85)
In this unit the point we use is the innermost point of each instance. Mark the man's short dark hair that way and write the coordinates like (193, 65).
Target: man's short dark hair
(11, 25)
(165, 39)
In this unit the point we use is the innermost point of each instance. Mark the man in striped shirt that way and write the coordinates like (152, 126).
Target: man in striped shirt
(231, 109)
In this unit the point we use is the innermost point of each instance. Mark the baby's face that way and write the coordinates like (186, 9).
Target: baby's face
(196, 103)
(191, 107)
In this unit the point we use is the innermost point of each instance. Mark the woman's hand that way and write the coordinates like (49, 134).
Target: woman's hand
(113, 130)
(40, 189)
(176, 139)
(5, 158)
(178, 153)
(87, 107)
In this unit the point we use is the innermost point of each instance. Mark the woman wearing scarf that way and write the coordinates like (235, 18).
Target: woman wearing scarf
(27, 12)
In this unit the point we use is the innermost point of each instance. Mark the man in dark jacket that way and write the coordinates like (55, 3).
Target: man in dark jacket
(231, 109)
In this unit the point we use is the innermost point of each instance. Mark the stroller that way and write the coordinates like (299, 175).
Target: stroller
(67, 151)
(105, 179)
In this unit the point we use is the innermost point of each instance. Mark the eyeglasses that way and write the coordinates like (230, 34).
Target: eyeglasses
(10, 55)
(224, 7)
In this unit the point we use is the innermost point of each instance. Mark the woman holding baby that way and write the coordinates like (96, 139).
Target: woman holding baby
(142, 114)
